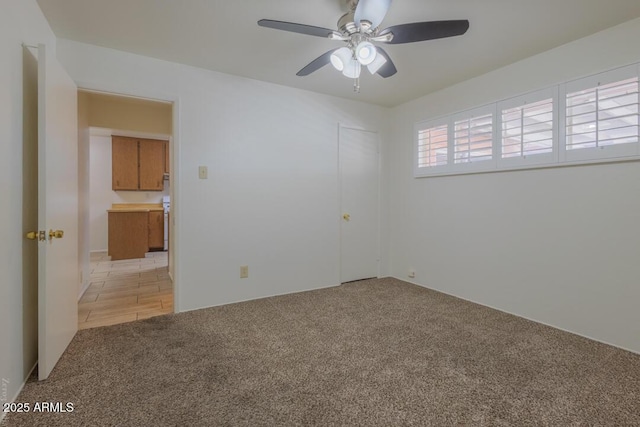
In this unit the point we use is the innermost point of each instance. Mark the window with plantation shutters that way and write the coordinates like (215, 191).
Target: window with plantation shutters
(601, 117)
(473, 138)
(433, 146)
(527, 129)
(593, 119)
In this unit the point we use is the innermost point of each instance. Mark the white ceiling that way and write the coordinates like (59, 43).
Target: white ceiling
(223, 36)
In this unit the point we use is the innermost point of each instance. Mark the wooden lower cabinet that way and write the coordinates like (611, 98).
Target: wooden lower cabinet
(132, 234)
(156, 229)
(128, 235)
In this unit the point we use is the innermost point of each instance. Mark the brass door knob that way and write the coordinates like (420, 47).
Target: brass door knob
(36, 235)
(57, 234)
(346, 217)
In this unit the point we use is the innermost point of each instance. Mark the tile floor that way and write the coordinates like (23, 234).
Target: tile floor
(126, 290)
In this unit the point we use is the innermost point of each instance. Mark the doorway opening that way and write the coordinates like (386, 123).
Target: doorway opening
(125, 192)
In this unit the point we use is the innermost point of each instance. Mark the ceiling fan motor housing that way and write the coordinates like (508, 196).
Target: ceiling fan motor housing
(352, 4)
(346, 24)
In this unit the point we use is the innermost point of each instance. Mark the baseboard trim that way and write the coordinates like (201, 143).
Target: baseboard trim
(520, 315)
(17, 393)
(98, 251)
(259, 298)
(83, 290)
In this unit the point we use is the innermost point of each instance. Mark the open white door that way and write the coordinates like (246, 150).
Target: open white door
(359, 170)
(57, 210)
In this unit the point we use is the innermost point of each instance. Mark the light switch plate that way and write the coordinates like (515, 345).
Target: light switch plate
(203, 172)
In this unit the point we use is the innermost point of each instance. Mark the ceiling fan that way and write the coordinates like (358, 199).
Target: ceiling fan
(359, 28)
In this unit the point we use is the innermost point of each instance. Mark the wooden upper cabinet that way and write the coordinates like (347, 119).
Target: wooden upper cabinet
(166, 157)
(137, 164)
(151, 165)
(124, 163)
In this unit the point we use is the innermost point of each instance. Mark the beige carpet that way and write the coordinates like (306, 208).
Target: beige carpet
(378, 352)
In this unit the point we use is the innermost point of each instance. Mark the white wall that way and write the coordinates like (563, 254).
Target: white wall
(100, 191)
(559, 246)
(102, 196)
(20, 21)
(271, 199)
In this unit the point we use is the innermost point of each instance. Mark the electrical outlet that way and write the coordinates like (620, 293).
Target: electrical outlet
(244, 271)
(412, 274)
(203, 172)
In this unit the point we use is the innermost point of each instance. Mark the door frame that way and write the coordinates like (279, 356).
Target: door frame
(342, 126)
(174, 170)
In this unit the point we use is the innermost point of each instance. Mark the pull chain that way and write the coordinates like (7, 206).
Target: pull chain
(356, 85)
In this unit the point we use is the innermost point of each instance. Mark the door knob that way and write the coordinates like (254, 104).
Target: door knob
(35, 235)
(346, 217)
(58, 234)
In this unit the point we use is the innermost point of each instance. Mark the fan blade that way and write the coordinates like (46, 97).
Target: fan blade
(296, 28)
(388, 69)
(316, 64)
(373, 11)
(421, 31)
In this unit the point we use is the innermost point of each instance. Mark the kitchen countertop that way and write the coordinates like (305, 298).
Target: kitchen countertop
(135, 207)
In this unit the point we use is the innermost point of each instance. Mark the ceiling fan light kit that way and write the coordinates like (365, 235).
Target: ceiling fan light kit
(366, 53)
(378, 62)
(352, 69)
(340, 58)
(359, 28)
